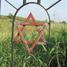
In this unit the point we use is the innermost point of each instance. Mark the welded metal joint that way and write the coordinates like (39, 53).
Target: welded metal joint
(24, 2)
(38, 1)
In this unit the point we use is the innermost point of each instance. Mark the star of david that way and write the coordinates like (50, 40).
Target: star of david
(20, 33)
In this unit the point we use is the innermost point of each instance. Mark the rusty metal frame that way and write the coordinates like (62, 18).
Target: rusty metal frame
(17, 9)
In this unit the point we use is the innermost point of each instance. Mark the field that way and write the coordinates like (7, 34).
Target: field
(51, 56)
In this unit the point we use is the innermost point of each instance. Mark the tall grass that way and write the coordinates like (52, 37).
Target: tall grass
(51, 56)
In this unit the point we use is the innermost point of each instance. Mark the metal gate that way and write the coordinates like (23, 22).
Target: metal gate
(35, 24)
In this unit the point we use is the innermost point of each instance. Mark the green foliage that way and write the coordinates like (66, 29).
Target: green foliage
(52, 55)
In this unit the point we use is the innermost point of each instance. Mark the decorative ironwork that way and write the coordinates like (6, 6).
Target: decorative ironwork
(17, 9)
(20, 33)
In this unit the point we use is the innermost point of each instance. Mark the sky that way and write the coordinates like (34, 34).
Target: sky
(57, 12)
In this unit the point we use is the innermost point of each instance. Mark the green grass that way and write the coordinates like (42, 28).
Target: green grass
(53, 55)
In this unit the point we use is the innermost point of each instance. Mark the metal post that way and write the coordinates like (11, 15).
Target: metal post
(38, 1)
(49, 29)
(24, 2)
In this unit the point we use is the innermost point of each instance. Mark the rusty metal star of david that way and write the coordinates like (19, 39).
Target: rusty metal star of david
(20, 33)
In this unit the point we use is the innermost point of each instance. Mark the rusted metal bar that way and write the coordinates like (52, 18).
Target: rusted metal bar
(53, 4)
(32, 24)
(11, 4)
